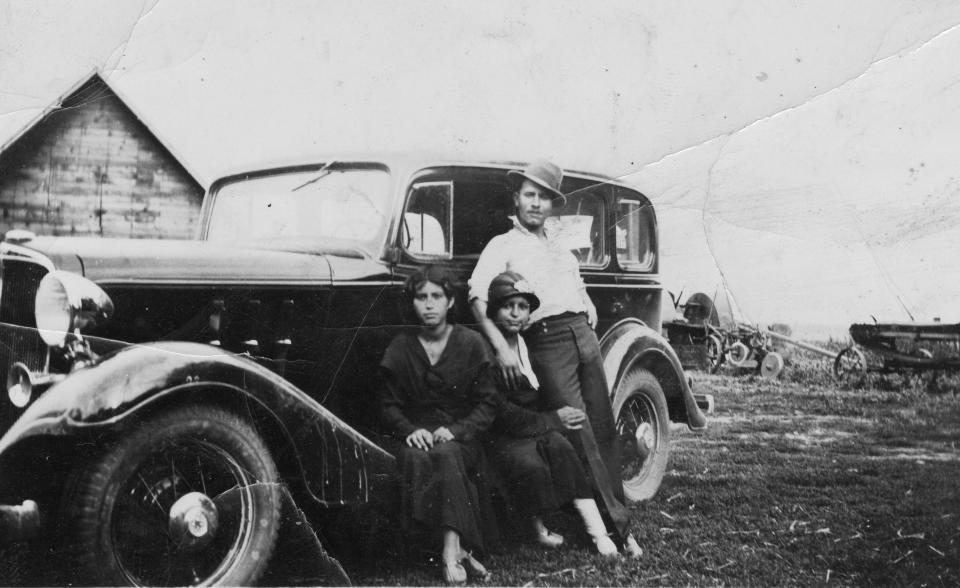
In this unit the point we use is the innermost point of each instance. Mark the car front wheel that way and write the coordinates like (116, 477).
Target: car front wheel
(644, 428)
(187, 498)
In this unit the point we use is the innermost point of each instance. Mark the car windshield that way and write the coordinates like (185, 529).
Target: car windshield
(346, 206)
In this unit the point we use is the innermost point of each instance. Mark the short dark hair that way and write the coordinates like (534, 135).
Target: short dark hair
(515, 182)
(430, 273)
(494, 307)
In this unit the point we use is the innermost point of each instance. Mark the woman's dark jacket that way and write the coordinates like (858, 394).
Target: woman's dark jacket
(458, 392)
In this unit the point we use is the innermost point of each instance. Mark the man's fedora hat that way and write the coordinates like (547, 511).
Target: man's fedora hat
(543, 173)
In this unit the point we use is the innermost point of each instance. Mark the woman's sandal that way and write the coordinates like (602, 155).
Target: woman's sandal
(550, 539)
(454, 573)
(474, 567)
(605, 546)
(545, 536)
(631, 548)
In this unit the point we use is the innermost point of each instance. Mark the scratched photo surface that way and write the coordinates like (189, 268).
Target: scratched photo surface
(800, 159)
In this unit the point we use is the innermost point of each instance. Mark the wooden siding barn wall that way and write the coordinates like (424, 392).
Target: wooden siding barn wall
(92, 168)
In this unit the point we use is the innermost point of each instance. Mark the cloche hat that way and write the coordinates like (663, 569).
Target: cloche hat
(510, 284)
(543, 173)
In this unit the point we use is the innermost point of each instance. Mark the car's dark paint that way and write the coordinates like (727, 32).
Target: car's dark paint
(156, 262)
(237, 296)
(632, 344)
(337, 464)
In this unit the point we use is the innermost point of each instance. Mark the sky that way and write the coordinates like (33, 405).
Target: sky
(800, 155)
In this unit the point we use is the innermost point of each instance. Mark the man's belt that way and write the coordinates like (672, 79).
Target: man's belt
(553, 322)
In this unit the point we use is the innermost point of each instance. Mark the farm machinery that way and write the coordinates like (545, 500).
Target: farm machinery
(697, 335)
(901, 346)
(704, 339)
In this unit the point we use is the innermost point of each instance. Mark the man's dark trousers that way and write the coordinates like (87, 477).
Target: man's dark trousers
(565, 355)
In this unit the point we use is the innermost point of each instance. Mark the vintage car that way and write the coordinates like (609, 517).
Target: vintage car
(160, 392)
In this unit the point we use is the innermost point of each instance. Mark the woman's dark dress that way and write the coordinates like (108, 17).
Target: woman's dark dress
(439, 486)
(539, 465)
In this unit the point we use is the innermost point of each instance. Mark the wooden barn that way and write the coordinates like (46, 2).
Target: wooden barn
(89, 166)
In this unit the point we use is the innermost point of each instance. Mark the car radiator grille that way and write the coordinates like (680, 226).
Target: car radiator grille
(19, 340)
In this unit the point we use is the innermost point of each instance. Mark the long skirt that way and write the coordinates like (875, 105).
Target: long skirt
(541, 473)
(438, 488)
(565, 355)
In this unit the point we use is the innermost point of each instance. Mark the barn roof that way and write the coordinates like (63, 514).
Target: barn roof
(18, 126)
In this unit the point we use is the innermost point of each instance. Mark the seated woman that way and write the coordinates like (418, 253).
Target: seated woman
(540, 466)
(437, 395)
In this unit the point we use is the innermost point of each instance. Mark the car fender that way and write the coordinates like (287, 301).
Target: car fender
(630, 343)
(338, 464)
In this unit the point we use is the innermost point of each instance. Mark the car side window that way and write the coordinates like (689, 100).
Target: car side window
(634, 234)
(428, 220)
(578, 224)
(454, 212)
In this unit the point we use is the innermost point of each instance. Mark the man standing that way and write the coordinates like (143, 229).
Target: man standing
(563, 347)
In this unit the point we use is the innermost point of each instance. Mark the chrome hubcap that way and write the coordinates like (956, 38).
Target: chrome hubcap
(645, 440)
(193, 521)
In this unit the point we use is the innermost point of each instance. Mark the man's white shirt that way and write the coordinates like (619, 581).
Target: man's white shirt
(552, 271)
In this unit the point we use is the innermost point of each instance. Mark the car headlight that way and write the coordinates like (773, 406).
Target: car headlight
(66, 302)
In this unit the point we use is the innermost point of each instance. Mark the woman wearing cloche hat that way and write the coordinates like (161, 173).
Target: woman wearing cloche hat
(539, 465)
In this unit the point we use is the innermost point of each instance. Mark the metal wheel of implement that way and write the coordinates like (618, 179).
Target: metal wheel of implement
(715, 353)
(737, 354)
(177, 502)
(644, 429)
(849, 361)
(772, 366)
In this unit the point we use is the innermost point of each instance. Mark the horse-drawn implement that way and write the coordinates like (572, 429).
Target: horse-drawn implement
(706, 338)
(901, 346)
(696, 335)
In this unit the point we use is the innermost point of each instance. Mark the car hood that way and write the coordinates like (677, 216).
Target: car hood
(141, 260)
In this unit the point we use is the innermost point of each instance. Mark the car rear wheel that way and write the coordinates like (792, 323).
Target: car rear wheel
(187, 498)
(644, 428)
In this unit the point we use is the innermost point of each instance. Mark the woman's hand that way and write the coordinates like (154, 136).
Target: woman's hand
(572, 418)
(421, 439)
(442, 435)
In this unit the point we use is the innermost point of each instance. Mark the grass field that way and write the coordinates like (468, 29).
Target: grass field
(801, 481)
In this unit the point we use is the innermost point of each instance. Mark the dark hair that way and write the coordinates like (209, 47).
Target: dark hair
(515, 182)
(429, 273)
(493, 308)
